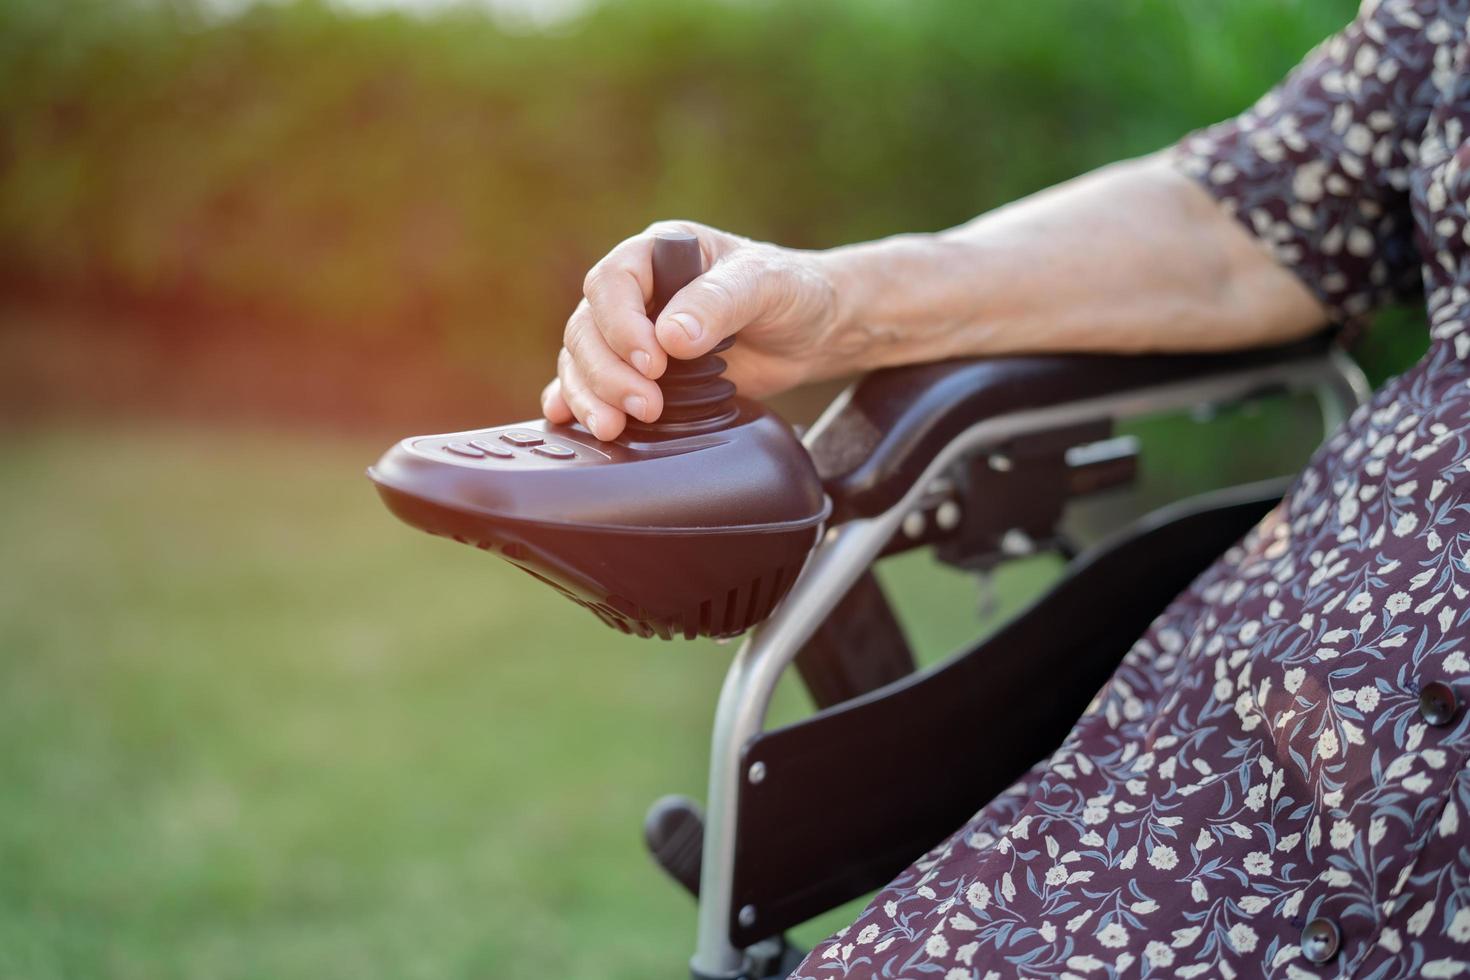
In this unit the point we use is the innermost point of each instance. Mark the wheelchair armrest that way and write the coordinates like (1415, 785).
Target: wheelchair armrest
(883, 433)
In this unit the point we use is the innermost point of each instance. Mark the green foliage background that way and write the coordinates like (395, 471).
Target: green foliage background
(254, 728)
(443, 181)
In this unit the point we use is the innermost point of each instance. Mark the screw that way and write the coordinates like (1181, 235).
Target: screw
(747, 916)
(1016, 542)
(757, 774)
(913, 523)
(999, 462)
(948, 516)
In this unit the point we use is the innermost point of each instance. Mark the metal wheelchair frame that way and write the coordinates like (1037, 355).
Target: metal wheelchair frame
(852, 545)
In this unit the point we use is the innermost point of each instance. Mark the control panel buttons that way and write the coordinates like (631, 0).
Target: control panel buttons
(488, 447)
(519, 437)
(554, 451)
(463, 449)
(492, 449)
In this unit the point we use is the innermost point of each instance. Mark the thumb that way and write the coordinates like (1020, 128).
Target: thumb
(712, 307)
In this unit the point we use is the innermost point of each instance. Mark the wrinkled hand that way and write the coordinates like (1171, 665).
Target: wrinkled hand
(779, 300)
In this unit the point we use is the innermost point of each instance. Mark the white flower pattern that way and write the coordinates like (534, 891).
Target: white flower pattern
(1260, 757)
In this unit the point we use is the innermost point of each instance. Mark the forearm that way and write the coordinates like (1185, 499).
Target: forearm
(1130, 258)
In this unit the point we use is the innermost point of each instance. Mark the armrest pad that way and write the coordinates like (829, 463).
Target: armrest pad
(883, 432)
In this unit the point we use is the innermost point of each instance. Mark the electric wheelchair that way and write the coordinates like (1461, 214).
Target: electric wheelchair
(753, 532)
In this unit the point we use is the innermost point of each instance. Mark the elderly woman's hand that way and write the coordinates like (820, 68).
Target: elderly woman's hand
(781, 301)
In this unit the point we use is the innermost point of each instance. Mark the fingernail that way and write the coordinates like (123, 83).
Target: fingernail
(641, 361)
(688, 323)
(592, 423)
(636, 406)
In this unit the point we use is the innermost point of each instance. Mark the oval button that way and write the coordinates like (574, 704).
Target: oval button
(460, 449)
(1320, 940)
(1437, 703)
(516, 437)
(491, 449)
(554, 451)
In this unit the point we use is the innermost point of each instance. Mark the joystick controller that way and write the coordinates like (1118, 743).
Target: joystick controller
(697, 397)
(695, 524)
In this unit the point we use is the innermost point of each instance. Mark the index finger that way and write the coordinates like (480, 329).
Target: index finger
(617, 290)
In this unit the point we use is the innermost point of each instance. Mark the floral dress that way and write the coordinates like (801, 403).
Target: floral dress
(1274, 782)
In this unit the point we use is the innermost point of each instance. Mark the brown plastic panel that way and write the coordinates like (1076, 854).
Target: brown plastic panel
(699, 535)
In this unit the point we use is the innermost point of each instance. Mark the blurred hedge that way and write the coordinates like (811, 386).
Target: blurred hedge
(445, 179)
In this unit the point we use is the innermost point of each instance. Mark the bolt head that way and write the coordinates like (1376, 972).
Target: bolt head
(747, 916)
(757, 773)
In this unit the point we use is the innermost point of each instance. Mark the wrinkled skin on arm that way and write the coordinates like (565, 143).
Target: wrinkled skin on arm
(1130, 258)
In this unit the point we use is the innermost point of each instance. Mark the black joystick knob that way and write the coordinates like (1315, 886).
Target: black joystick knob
(697, 398)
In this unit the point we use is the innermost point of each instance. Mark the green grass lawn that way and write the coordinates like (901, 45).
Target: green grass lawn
(254, 727)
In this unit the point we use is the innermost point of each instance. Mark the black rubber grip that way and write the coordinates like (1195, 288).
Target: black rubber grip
(677, 262)
(696, 397)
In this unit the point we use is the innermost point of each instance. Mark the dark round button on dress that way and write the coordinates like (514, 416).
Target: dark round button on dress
(1437, 703)
(1320, 940)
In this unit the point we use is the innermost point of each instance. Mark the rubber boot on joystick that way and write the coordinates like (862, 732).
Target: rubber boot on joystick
(697, 398)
